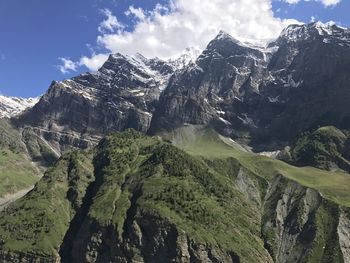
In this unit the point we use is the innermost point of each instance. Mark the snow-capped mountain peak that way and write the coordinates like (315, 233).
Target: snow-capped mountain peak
(13, 106)
(188, 56)
(314, 30)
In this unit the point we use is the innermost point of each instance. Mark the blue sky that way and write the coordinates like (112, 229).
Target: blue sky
(35, 34)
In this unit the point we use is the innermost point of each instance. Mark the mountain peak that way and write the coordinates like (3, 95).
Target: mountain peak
(13, 106)
(188, 56)
(297, 32)
(224, 36)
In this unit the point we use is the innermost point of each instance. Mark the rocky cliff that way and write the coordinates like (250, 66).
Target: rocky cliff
(261, 93)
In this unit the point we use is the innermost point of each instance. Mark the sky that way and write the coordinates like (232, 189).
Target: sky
(46, 40)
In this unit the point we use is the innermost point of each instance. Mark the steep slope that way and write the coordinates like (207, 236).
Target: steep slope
(17, 171)
(311, 62)
(137, 198)
(121, 95)
(23, 158)
(214, 88)
(326, 148)
(305, 211)
(260, 94)
(136, 206)
(12, 106)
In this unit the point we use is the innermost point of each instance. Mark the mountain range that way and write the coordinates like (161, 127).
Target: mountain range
(239, 153)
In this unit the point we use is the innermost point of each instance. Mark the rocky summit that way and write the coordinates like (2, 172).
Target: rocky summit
(237, 153)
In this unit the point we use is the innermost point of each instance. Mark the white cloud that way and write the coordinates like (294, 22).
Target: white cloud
(292, 2)
(330, 2)
(94, 62)
(110, 24)
(169, 29)
(67, 65)
(327, 3)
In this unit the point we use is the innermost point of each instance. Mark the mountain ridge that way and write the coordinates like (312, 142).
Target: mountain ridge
(13, 106)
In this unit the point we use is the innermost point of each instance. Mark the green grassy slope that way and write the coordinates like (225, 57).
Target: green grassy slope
(17, 171)
(38, 221)
(333, 185)
(136, 197)
(325, 148)
(137, 178)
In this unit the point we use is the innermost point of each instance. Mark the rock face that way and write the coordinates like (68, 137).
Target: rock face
(12, 106)
(254, 93)
(122, 94)
(263, 93)
(213, 89)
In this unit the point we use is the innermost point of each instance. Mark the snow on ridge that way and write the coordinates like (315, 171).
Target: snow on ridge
(188, 56)
(303, 31)
(13, 106)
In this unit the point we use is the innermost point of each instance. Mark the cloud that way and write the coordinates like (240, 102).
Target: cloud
(326, 3)
(94, 62)
(330, 2)
(67, 65)
(292, 2)
(169, 29)
(110, 24)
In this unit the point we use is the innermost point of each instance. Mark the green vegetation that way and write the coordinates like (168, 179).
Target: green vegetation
(333, 185)
(134, 173)
(322, 148)
(17, 171)
(38, 150)
(326, 246)
(131, 181)
(39, 221)
(169, 184)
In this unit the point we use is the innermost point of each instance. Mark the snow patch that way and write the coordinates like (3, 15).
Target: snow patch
(13, 106)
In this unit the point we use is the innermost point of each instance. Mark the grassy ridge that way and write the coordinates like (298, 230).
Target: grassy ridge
(333, 185)
(325, 148)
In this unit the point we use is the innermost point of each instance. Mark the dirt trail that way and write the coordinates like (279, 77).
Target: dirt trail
(8, 199)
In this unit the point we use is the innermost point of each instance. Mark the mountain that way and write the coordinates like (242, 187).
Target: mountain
(224, 75)
(12, 106)
(139, 199)
(195, 191)
(122, 94)
(187, 57)
(76, 113)
(249, 93)
(258, 93)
